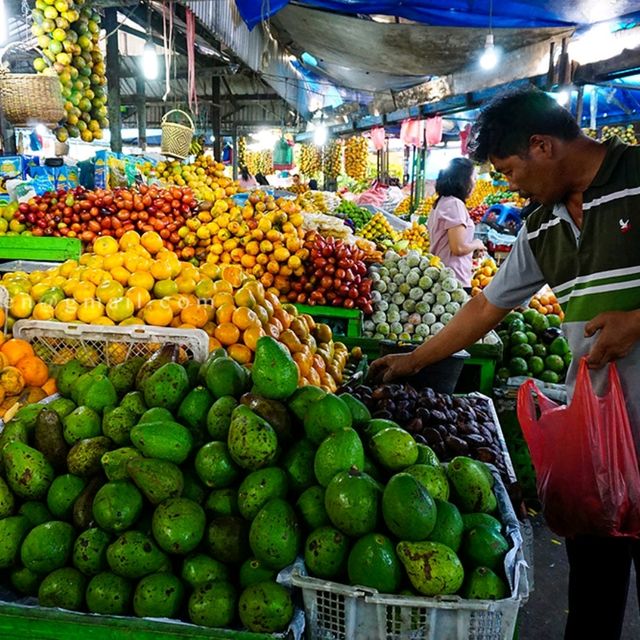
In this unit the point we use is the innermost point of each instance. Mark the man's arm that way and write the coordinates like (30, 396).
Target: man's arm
(474, 320)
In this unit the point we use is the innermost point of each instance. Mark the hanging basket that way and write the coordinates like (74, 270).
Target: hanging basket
(176, 138)
(30, 98)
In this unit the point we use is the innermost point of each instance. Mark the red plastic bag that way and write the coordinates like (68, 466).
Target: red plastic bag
(585, 460)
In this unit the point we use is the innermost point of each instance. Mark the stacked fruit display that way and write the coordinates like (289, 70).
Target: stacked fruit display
(404, 208)
(483, 275)
(534, 346)
(309, 160)
(242, 151)
(417, 238)
(68, 33)
(378, 229)
(205, 177)
(359, 216)
(264, 237)
(8, 223)
(175, 491)
(313, 202)
(335, 274)
(260, 162)
(332, 159)
(87, 215)
(426, 205)
(413, 297)
(478, 212)
(481, 190)
(626, 134)
(24, 378)
(545, 302)
(499, 197)
(356, 151)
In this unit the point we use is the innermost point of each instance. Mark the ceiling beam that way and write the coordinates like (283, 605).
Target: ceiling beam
(626, 63)
(259, 97)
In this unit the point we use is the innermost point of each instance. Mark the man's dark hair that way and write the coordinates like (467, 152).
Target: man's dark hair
(244, 172)
(313, 184)
(505, 126)
(456, 179)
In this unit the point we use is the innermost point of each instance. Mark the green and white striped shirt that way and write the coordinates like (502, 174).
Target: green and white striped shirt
(591, 270)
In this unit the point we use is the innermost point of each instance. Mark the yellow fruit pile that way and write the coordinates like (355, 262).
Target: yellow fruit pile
(418, 237)
(626, 134)
(242, 151)
(378, 229)
(404, 207)
(204, 176)
(309, 160)
(426, 205)
(259, 162)
(264, 237)
(332, 159)
(483, 275)
(482, 189)
(356, 151)
(312, 202)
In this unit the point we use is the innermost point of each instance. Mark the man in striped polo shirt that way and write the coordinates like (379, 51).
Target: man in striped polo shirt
(583, 241)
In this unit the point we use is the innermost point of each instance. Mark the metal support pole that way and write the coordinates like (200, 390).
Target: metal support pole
(113, 78)
(235, 153)
(580, 104)
(141, 108)
(216, 119)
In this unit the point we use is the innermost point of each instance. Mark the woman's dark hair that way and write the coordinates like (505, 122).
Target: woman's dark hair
(456, 180)
(505, 126)
(244, 172)
(313, 184)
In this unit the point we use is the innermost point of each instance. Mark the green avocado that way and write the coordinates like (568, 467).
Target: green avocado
(225, 377)
(339, 451)
(228, 539)
(62, 494)
(90, 551)
(109, 594)
(28, 472)
(310, 507)
(274, 373)
(433, 568)
(164, 440)
(48, 546)
(117, 506)
(394, 449)
(63, 588)
(81, 423)
(215, 467)
(123, 376)
(114, 463)
(298, 464)
(408, 509)
(252, 441)
(134, 555)
(157, 479)
(253, 571)
(325, 416)
(213, 604)
(48, 438)
(325, 553)
(449, 526)
(265, 607)
(158, 595)
(219, 417)
(178, 525)
(166, 387)
(7, 501)
(84, 457)
(373, 563)
(352, 501)
(13, 530)
(193, 411)
(134, 403)
(359, 411)
(117, 423)
(223, 502)
(25, 581)
(198, 569)
(258, 488)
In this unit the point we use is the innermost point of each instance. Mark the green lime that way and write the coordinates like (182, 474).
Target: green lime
(540, 350)
(554, 320)
(532, 338)
(517, 325)
(523, 350)
(550, 376)
(518, 337)
(540, 323)
(503, 335)
(510, 317)
(559, 347)
(536, 365)
(518, 367)
(554, 363)
(503, 374)
(529, 315)
(567, 357)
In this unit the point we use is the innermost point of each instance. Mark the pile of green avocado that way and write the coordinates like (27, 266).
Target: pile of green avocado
(180, 491)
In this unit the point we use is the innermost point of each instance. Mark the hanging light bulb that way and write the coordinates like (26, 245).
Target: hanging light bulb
(4, 20)
(150, 61)
(489, 57)
(320, 135)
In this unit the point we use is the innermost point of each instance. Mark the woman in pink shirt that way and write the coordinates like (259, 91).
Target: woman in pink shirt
(450, 226)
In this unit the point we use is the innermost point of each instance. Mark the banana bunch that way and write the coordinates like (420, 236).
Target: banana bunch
(355, 157)
(259, 162)
(242, 151)
(418, 237)
(196, 148)
(378, 229)
(309, 160)
(313, 202)
(332, 159)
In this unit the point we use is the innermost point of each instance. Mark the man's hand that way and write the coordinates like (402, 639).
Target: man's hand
(391, 367)
(618, 332)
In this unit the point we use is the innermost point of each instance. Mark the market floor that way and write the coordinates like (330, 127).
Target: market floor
(543, 617)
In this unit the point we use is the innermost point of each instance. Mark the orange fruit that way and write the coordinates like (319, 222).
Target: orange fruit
(161, 269)
(194, 315)
(34, 371)
(103, 320)
(67, 310)
(142, 279)
(113, 261)
(139, 296)
(129, 239)
(163, 288)
(105, 246)
(151, 241)
(224, 313)
(21, 305)
(185, 284)
(222, 286)
(15, 349)
(244, 318)
(109, 289)
(42, 311)
(244, 298)
(50, 387)
(233, 275)
(12, 381)
(220, 299)
(90, 310)
(84, 291)
(119, 309)
(227, 333)
(251, 336)
(158, 313)
(240, 353)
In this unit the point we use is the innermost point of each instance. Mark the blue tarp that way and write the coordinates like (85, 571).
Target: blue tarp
(458, 13)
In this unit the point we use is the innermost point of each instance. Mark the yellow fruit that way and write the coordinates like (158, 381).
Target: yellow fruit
(105, 246)
(84, 291)
(109, 289)
(113, 261)
(139, 296)
(158, 313)
(67, 310)
(43, 311)
(129, 240)
(161, 269)
(90, 310)
(185, 284)
(118, 309)
(163, 288)
(38, 289)
(21, 305)
(103, 320)
(227, 333)
(151, 241)
(142, 279)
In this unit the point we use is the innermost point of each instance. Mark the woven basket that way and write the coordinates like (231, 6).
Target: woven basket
(176, 138)
(28, 98)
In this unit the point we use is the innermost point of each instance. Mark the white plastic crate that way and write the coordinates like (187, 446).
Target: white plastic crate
(57, 342)
(340, 612)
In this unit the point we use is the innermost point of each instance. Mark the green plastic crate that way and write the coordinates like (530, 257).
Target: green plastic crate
(39, 248)
(370, 347)
(343, 322)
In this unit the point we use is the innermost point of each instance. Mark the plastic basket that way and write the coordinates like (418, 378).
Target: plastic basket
(57, 343)
(176, 137)
(340, 612)
(39, 248)
(343, 322)
(4, 307)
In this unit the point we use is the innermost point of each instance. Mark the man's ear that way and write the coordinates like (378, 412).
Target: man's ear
(541, 145)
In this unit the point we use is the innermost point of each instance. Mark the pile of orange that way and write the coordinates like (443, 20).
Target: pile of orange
(264, 237)
(546, 302)
(483, 275)
(24, 377)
